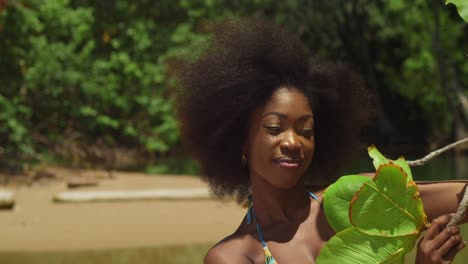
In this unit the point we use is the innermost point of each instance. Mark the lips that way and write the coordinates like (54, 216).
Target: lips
(287, 162)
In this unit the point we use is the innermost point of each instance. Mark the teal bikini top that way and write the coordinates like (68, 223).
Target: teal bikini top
(250, 213)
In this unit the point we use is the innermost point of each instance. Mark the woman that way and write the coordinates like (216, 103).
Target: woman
(267, 122)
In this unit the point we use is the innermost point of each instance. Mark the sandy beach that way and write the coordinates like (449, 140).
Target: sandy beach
(36, 223)
(38, 230)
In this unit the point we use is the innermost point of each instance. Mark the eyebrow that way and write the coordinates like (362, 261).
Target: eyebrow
(285, 116)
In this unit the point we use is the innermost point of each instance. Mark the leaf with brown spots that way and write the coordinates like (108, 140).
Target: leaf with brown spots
(386, 215)
(388, 205)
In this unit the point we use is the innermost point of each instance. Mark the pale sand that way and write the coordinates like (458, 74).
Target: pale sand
(38, 224)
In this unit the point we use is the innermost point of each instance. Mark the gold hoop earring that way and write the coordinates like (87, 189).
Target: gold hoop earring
(244, 159)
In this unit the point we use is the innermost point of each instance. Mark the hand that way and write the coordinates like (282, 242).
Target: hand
(440, 244)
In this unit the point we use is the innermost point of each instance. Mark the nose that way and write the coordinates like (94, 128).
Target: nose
(290, 141)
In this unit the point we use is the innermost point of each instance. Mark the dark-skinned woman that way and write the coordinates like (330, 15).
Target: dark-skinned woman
(272, 127)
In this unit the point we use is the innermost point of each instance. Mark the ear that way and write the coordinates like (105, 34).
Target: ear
(244, 148)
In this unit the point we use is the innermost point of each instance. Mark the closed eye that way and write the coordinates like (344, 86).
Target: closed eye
(307, 133)
(274, 130)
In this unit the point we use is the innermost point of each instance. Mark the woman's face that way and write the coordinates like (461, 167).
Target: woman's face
(280, 141)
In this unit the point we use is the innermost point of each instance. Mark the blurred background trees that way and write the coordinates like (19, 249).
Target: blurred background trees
(89, 83)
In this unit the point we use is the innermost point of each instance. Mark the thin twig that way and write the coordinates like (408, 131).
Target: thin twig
(460, 214)
(419, 162)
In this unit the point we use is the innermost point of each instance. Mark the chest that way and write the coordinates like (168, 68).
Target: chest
(299, 243)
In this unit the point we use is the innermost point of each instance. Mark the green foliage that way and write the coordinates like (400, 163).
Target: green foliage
(377, 221)
(11, 110)
(462, 7)
(338, 197)
(350, 244)
(378, 160)
(80, 72)
(426, 59)
(45, 46)
(393, 200)
(72, 72)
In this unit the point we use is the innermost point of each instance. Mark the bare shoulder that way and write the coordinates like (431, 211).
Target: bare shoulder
(228, 251)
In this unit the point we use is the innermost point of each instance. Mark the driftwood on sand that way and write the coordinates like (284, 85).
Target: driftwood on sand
(7, 199)
(151, 194)
(79, 182)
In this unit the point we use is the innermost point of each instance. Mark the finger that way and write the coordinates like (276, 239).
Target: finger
(445, 236)
(436, 226)
(454, 251)
(452, 243)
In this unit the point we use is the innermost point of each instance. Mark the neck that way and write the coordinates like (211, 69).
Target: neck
(274, 205)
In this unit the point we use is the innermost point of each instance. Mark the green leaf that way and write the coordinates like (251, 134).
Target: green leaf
(404, 165)
(388, 205)
(352, 246)
(87, 111)
(386, 215)
(462, 7)
(337, 198)
(107, 121)
(377, 158)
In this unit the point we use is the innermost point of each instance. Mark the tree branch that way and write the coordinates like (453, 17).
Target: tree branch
(419, 162)
(460, 214)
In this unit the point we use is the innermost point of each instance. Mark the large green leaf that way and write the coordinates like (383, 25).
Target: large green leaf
(462, 7)
(337, 198)
(385, 213)
(379, 159)
(404, 165)
(352, 246)
(388, 205)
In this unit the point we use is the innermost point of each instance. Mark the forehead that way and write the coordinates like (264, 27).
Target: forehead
(288, 100)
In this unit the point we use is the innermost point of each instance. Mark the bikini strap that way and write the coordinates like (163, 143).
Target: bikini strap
(248, 204)
(269, 259)
(251, 213)
(259, 230)
(315, 197)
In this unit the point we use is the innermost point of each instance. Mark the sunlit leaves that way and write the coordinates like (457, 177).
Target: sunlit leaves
(379, 159)
(352, 246)
(420, 74)
(60, 56)
(337, 199)
(378, 220)
(81, 65)
(388, 205)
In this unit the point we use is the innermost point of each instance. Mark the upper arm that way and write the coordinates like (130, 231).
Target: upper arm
(223, 254)
(215, 256)
(441, 197)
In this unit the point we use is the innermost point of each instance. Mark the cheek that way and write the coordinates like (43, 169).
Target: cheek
(261, 150)
(309, 149)
(263, 147)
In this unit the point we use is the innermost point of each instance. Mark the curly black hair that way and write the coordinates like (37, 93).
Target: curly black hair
(249, 59)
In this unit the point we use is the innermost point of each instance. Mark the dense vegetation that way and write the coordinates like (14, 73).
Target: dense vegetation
(85, 80)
